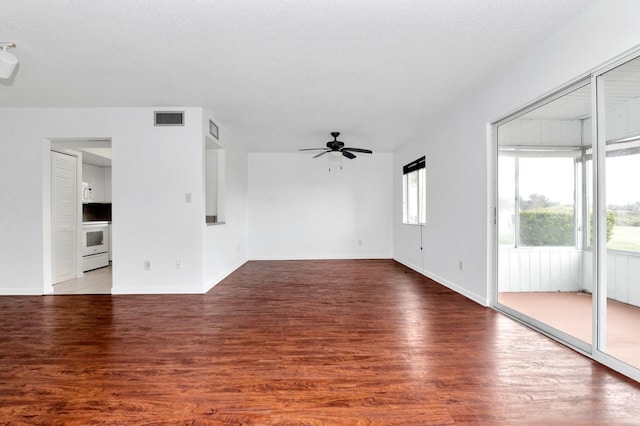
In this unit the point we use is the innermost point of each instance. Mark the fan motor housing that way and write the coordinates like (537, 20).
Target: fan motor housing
(335, 145)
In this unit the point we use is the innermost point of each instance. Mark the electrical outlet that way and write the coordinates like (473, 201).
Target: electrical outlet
(178, 264)
(359, 242)
(147, 265)
(460, 265)
(187, 197)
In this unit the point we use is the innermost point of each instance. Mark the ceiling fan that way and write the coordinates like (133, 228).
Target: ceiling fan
(337, 146)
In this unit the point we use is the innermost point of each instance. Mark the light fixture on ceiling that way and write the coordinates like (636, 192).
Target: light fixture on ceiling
(8, 61)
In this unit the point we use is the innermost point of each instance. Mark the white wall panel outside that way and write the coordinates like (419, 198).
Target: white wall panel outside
(544, 269)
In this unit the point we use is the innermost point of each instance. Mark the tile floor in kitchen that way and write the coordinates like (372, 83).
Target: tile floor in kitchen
(97, 281)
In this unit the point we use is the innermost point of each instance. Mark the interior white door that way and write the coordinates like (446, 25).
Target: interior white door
(63, 216)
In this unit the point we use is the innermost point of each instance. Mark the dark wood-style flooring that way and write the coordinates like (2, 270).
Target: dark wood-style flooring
(295, 342)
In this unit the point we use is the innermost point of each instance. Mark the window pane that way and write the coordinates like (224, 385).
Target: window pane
(422, 203)
(412, 195)
(619, 287)
(405, 210)
(623, 203)
(547, 207)
(544, 276)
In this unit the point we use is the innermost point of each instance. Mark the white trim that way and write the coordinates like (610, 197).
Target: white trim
(615, 62)
(568, 340)
(492, 223)
(548, 97)
(322, 257)
(598, 326)
(218, 279)
(616, 364)
(442, 281)
(20, 292)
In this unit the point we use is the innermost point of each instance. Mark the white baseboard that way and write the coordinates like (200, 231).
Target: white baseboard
(222, 276)
(322, 257)
(481, 300)
(20, 292)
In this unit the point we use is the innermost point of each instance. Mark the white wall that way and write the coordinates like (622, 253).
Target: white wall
(456, 207)
(298, 209)
(21, 254)
(153, 168)
(459, 180)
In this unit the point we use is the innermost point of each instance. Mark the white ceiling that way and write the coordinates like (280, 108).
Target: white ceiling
(278, 74)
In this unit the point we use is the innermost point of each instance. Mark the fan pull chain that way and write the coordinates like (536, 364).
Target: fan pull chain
(330, 163)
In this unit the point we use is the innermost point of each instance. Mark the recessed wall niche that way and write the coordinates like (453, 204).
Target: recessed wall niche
(214, 175)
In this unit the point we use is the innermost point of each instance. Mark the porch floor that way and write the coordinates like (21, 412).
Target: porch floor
(571, 313)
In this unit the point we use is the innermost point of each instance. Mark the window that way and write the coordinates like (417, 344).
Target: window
(414, 204)
(537, 199)
(623, 196)
(214, 172)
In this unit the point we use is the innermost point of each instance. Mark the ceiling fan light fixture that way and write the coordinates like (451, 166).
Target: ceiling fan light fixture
(337, 147)
(8, 61)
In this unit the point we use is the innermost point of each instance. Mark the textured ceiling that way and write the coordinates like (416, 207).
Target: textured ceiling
(279, 74)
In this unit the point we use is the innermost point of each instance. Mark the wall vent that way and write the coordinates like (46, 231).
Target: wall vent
(213, 129)
(168, 118)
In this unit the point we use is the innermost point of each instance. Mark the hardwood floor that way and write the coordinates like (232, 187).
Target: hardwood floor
(295, 342)
(571, 312)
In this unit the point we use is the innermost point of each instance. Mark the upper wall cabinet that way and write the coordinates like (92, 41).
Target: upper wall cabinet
(99, 179)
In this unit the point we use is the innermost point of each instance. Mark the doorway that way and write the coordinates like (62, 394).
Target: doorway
(93, 204)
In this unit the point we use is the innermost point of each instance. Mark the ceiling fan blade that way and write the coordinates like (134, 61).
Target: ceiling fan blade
(366, 151)
(312, 149)
(348, 155)
(322, 153)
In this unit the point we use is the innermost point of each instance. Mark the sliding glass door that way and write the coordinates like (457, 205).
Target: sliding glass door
(619, 142)
(568, 216)
(543, 215)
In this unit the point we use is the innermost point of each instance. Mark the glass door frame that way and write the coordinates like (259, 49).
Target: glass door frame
(599, 219)
(548, 330)
(599, 244)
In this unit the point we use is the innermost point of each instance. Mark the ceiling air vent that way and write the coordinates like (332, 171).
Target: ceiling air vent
(168, 118)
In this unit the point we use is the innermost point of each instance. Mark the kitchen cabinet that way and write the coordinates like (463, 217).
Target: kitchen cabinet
(99, 180)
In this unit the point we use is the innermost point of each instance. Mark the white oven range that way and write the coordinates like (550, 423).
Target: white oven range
(95, 245)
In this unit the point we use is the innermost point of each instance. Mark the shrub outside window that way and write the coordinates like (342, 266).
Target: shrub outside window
(537, 200)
